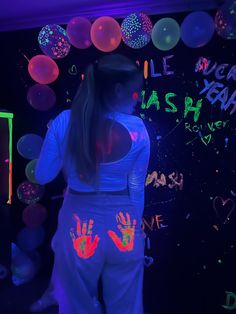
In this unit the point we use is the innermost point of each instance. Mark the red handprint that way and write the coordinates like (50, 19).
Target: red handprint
(83, 243)
(126, 243)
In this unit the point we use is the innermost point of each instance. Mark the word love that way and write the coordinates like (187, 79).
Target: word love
(155, 221)
(176, 180)
(216, 91)
(188, 104)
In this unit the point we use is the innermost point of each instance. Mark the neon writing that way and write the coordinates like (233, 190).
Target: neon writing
(211, 126)
(176, 180)
(205, 66)
(189, 106)
(222, 95)
(73, 70)
(230, 301)
(154, 220)
(216, 91)
(150, 66)
(223, 208)
(206, 139)
(202, 64)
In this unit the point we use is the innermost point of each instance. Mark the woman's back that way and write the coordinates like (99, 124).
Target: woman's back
(123, 166)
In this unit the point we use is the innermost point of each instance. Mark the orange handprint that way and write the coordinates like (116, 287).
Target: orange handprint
(126, 243)
(83, 243)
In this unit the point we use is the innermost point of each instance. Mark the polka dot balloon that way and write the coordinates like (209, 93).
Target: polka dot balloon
(136, 30)
(53, 41)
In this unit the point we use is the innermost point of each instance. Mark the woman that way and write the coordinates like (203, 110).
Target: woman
(104, 151)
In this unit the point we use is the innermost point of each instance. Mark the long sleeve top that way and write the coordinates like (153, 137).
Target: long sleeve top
(127, 172)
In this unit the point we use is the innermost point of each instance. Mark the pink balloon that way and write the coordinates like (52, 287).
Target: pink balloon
(43, 69)
(41, 97)
(106, 33)
(78, 32)
(34, 215)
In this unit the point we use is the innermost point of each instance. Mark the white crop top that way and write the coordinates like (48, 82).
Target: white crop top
(127, 172)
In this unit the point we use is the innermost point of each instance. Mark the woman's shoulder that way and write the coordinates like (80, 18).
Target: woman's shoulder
(62, 116)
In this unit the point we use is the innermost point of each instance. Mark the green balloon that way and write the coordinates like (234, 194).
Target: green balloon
(165, 34)
(30, 169)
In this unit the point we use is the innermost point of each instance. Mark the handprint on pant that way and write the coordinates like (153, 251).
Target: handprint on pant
(126, 242)
(85, 247)
(83, 244)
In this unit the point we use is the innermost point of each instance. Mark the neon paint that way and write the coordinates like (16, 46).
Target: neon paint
(135, 96)
(125, 242)
(9, 116)
(154, 219)
(171, 104)
(145, 69)
(149, 66)
(230, 305)
(83, 244)
(211, 126)
(205, 66)
(158, 220)
(190, 108)
(188, 103)
(175, 180)
(221, 96)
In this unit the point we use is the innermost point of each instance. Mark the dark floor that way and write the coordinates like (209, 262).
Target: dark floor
(17, 300)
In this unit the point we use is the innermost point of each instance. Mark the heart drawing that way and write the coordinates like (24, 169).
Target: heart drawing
(223, 208)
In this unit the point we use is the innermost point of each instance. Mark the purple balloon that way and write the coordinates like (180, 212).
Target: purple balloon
(225, 20)
(29, 146)
(41, 97)
(197, 29)
(78, 32)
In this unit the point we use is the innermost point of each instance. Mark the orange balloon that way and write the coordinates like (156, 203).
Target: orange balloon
(43, 69)
(105, 33)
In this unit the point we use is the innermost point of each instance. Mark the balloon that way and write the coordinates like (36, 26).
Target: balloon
(105, 33)
(43, 69)
(23, 268)
(29, 146)
(3, 272)
(225, 20)
(136, 30)
(78, 31)
(30, 193)
(34, 215)
(41, 97)
(53, 41)
(197, 29)
(29, 239)
(30, 169)
(165, 34)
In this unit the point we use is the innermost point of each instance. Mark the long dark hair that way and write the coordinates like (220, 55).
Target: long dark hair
(88, 108)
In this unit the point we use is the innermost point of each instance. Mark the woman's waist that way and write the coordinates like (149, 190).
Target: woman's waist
(119, 192)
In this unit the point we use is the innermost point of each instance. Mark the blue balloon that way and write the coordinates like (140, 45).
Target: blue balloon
(23, 267)
(197, 29)
(29, 239)
(29, 146)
